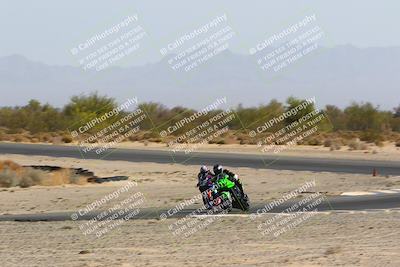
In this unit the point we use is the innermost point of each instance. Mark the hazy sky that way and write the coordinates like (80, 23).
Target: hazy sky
(46, 30)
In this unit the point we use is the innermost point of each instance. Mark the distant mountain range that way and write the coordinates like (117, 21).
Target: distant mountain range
(336, 75)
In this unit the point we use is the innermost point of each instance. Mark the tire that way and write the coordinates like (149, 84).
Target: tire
(242, 202)
(246, 202)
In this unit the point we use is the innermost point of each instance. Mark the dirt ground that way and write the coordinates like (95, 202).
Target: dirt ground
(165, 185)
(322, 240)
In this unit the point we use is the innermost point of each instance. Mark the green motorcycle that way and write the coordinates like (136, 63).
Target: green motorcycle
(226, 195)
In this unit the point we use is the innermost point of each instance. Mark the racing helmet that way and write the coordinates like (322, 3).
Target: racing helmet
(217, 169)
(203, 169)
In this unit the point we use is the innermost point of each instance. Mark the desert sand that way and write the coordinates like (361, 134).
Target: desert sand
(165, 185)
(323, 240)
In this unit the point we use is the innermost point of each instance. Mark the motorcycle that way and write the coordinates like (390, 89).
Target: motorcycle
(224, 194)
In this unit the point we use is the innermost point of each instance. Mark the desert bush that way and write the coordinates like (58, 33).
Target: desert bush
(313, 141)
(45, 137)
(133, 138)
(333, 144)
(8, 164)
(366, 117)
(398, 143)
(243, 138)
(357, 145)
(12, 174)
(348, 135)
(149, 135)
(371, 137)
(76, 179)
(26, 181)
(379, 143)
(8, 178)
(66, 139)
(221, 142)
(19, 138)
(15, 175)
(36, 176)
(47, 123)
(156, 140)
(328, 142)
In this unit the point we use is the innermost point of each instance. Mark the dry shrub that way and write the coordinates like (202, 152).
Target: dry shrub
(8, 164)
(371, 137)
(328, 142)
(63, 176)
(77, 179)
(230, 141)
(66, 139)
(348, 135)
(67, 176)
(20, 138)
(398, 143)
(12, 174)
(243, 138)
(32, 177)
(155, 140)
(379, 143)
(133, 138)
(313, 141)
(357, 145)
(34, 140)
(7, 137)
(8, 178)
(45, 137)
(219, 141)
(333, 144)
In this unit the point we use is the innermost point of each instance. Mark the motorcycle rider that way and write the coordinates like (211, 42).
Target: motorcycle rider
(219, 170)
(204, 181)
(204, 178)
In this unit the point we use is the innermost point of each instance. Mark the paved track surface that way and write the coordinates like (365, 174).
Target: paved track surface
(199, 158)
(341, 203)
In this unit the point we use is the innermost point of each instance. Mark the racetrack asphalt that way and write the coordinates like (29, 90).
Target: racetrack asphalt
(259, 161)
(336, 203)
